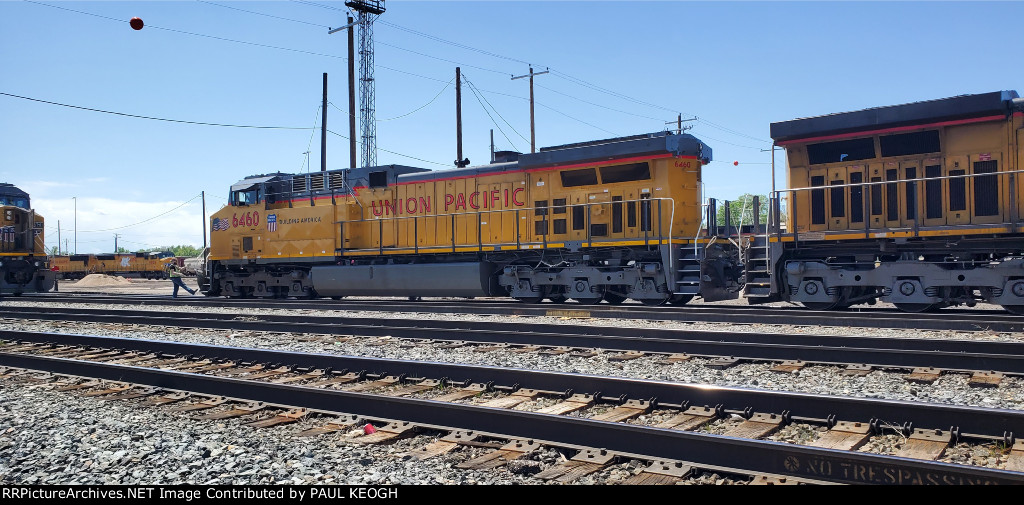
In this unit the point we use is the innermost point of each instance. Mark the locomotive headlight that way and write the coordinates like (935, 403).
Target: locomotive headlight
(38, 264)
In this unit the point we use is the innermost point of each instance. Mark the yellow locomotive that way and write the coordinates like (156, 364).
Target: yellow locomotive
(918, 204)
(150, 265)
(603, 220)
(23, 263)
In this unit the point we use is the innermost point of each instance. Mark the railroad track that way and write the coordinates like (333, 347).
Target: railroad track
(926, 359)
(695, 427)
(949, 319)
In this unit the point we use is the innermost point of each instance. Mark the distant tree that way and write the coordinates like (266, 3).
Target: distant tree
(745, 202)
(54, 251)
(177, 250)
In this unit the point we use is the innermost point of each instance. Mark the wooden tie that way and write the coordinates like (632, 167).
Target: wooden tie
(341, 379)
(410, 389)
(366, 386)
(788, 366)
(494, 459)
(510, 401)
(924, 375)
(444, 444)
(387, 433)
(628, 410)
(461, 394)
(571, 404)
(585, 463)
(337, 424)
(689, 419)
(674, 358)
(203, 405)
(759, 425)
(661, 473)
(251, 408)
(283, 418)
(844, 436)
(626, 356)
(1015, 462)
(926, 444)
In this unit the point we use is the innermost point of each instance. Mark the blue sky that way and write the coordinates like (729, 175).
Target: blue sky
(617, 68)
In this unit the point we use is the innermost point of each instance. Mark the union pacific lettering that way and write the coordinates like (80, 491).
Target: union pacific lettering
(494, 199)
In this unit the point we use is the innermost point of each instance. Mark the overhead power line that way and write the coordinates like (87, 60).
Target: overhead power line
(145, 220)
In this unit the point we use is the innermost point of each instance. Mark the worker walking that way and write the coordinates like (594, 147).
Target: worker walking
(175, 276)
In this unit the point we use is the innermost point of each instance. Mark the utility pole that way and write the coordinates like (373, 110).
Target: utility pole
(679, 124)
(533, 135)
(323, 132)
(75, 198)
(203, 193)
(115, 243)
(353, 162)
(459, 161)
(58, 237)
(492, 145)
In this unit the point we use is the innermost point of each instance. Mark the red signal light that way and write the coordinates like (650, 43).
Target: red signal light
(136, 23)
(735, 163)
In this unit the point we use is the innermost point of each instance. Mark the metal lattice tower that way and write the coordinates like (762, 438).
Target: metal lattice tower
(367, 12)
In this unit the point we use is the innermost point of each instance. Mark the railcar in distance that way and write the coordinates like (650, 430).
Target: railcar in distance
(143, 265)
(917, 204)
(23, 262)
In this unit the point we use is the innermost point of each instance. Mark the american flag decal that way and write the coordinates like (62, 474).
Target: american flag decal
(220, 224)
(272, 222)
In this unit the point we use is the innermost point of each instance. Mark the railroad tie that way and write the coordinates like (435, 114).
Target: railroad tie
(410, 389)
(585, 353)
(788, 366)
(660, 473)
(844, 436)
(582, 464)
(337, 424)
(857, 370)
(555, 351)
(924, 375)
(571, 404)
(95, 355)
(133, 393)
(387, 433)
(444, 444)
(215, 366)
(471, 390)
(759, 425)
(510, 401)
(690, 419)
(495, 347)
(674, 358)
(525, 349)
(451, 345)
(201, 405)
(77, 386)
(244, 410)
(115, 388)
(368, 385)
(315, 374)
(498, 457)
(165, 399)
(926, 444)
(283, 418)
(723, 363)
(627, 356)
(190, 365)
(269, 373)
(628, 410)
(989, 379)
(1015, 462)
(340, 379)
(240, 371)
(773, 480)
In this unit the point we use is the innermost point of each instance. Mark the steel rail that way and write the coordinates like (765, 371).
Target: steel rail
(751, 456)
(950, 320)
(950, 355)
(980, 421)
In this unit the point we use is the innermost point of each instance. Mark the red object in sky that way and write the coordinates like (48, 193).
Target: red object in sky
(735, 163)
(136, 23)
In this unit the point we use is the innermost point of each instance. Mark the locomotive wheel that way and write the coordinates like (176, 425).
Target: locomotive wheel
(678, 300)
(654, 302)
(1015, 309)
(917, 307)
(590, 300)
(822, 305)
(614, 298)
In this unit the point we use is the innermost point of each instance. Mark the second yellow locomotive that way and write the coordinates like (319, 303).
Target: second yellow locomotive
(604, 220)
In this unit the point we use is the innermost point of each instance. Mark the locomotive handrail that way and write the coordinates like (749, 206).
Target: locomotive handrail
(897, 181)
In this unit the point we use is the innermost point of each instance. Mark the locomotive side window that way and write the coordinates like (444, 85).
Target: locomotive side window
(542, 207)
(986, 189)
(378, 179)
(581, 177)
(559, 226)
(841, 150)
(246, 243)
(625, 173)
(248, 196)
(910, 143)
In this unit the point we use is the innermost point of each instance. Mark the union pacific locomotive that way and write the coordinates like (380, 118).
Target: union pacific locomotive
(596, 221)
(917, 204)
(23, 264)
(151, 265)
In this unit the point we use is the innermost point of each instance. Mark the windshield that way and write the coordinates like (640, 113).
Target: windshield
(14, 200)
(247, 196)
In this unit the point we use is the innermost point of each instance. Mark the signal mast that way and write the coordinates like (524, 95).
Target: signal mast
(367, 12)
